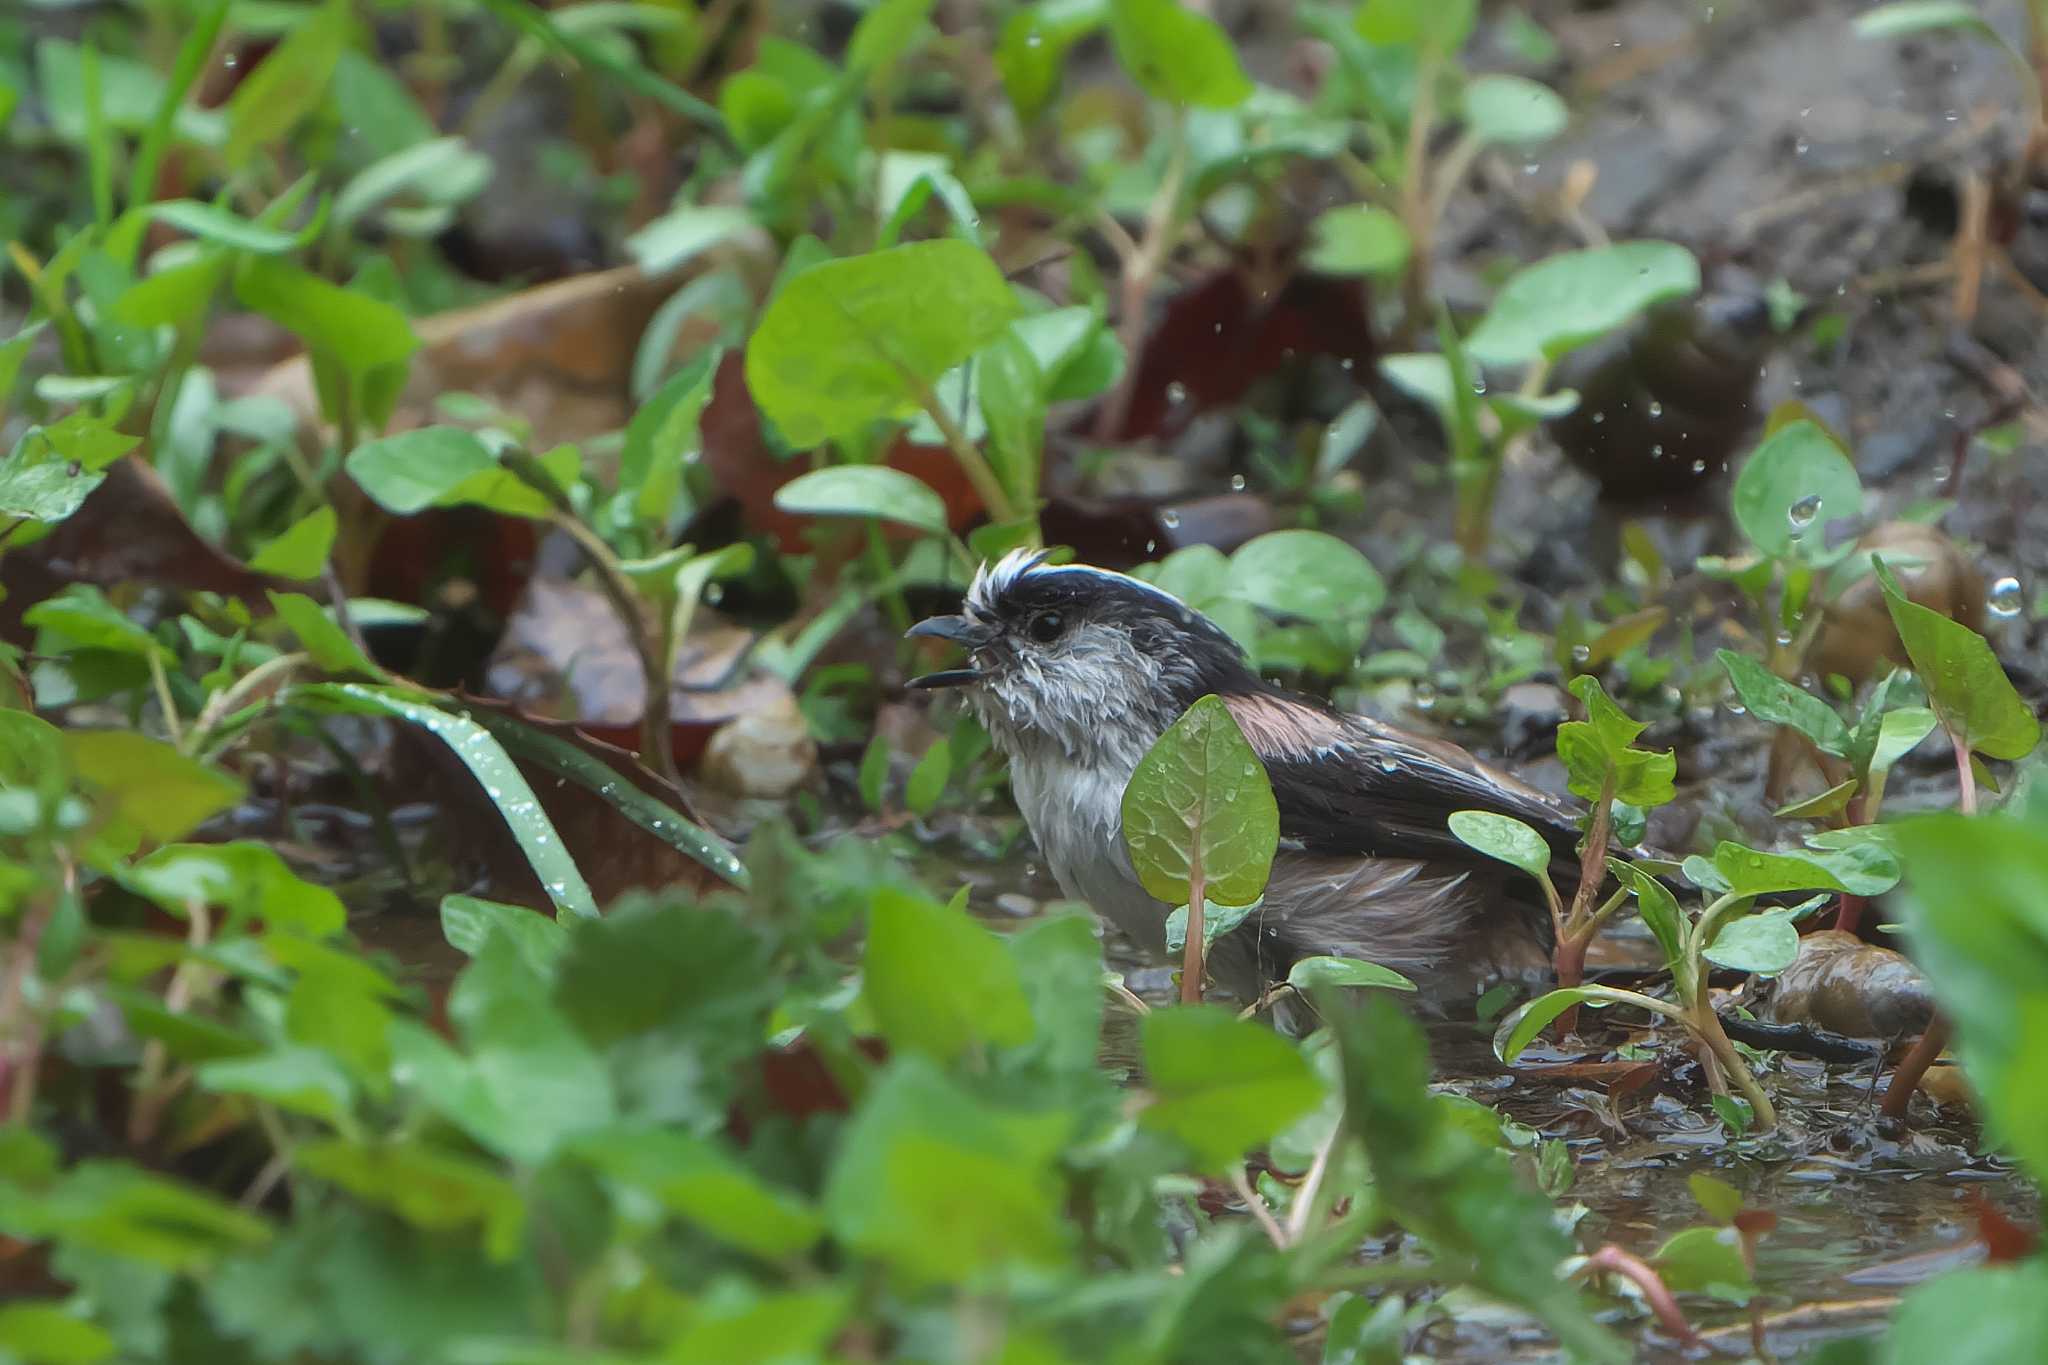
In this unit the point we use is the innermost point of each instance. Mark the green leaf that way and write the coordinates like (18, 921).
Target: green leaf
(1564, 301)
(322, 636)
(691, 1177)
(1307, 574)
(147, 784)
(864, 490)
(427, 1188)
(1792, 487)
(1512, 109)
(529, 1081)
(301, 550)
(300, 1079)
(415, 470)
(1177, 55)
(85, 619)
(1315, 973)
(685, 232)
(1765, 944)
(1520, 1028)
(1034, 46)
(211, 223)
(118, 1208)
(1898, 734)
(1217, 920)
(1966, 685)
(493, 769)
(662, 436)
(1720, 1200)
(46, 493)
(1984, 1315)
(442, 171)
(558, 756)
(1011, 388)
(848, 342)
(1658, 908)
(173, 296)
(1440, 25)
(1922, 16)
(750, 1325)
(1770, 698)
(1821, 805)
(1505, 838)
(50, 1334)
(1201, 798)
(1450, 1188)
(288, 84)
(1861, 869)
(938, 982)
(1220, 1084)
(1706, 1261)
(1601, 746)
(1358, 239)
(249, 881)
(942, 1186)
(928, 779)
(467, 921)
(360, 333)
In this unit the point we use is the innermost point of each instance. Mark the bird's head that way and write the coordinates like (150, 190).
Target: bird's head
(1080, 658)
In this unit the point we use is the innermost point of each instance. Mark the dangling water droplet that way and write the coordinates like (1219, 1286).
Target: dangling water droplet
(1657, 452)
(1802, 514)
(1237, 483)
(714, 593)
(1656, 409)
(1387, 764)
(2004, 598)
(1425, 697)
(1736, 708)
(1582, 654)
(1699, 466)
(1598, 418)
(1479, 383)
(1170, 519)
(1176, 393)
(1784, 638)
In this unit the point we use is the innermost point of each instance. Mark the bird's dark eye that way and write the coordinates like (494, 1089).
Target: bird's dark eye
(1046, 627)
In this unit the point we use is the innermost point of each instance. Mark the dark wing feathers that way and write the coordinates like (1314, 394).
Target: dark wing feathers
(1382, 794)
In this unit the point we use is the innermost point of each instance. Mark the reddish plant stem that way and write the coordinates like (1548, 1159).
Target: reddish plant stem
(1849, 911)
(1906, 1079)
(1966, 777)
(1191, 957)
(1577, 930)
(1613, 1260)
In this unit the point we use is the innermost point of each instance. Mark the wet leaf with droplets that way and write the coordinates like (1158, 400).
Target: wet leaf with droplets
(1966, 685)
(1201, 795)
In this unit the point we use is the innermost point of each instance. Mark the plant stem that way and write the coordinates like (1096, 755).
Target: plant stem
(161, 681)
(1414, 192)
(1191, 957)
(1255, 1204)
(1162, 220)
(1906, 1079)
(973, 464)
(225, 701)
(1614, 1261)
(1707, 1024)
(656, 751)
(1966, 777)
(1580, 923)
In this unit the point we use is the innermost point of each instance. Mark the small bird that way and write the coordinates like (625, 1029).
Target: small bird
(1075, 671)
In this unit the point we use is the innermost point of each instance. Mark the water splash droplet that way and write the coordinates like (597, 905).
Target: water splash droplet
(1582, 654)
(1237, 483)
(1802, 514)
(1176, 393)
(1699, 466)
(1170, 519)
(2004, 597)
(1425, 697)
(1656, 409)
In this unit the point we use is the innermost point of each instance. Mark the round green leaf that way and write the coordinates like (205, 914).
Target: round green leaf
(1201, 799)
(1513, 109)
(1307, 574)
(1221, 1084)
(1792, 487)
(1313, 972)
(1503, 837)
(1358, 239)
(1177, 55)
(864, 490)
(1765, 944)
(1567, 300)
(847, 342)
(938, 982)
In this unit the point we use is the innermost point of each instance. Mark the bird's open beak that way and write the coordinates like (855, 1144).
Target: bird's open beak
(969, 635)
